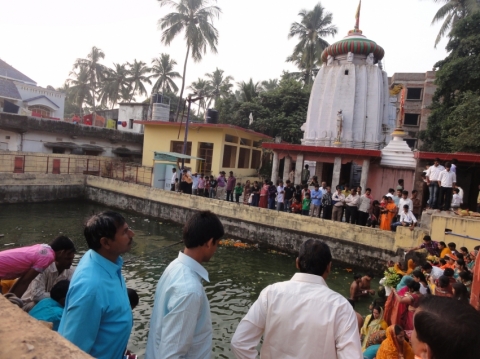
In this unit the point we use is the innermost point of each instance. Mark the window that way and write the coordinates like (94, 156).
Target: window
(40, 111)
(257, 144)
(130, 123)
(411, 142)
(346, 72)
(244, 158)
(231, 139)
(205, 151)
(91, 153)
(229, 156)
(245, 142)
(177, 146)
(58, 150)
(256, 157)
(411, 119)
(414, 94)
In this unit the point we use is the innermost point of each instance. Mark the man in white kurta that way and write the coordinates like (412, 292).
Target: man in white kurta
(301, 318)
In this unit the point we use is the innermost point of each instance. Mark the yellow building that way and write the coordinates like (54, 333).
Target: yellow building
(223, 147)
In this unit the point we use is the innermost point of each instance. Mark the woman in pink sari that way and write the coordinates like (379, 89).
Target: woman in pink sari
(264, 195)
(410, 300)
(393, 307)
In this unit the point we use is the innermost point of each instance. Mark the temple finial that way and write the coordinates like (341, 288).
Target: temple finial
(357, 16)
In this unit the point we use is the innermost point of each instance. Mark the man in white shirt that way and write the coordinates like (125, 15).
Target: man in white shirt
(446, 181)
(351, 208)
(301, 318)
(404, 201)
(432, 176)
(407, 219)
(433, 272)
(338, 201)
(364, 203)
(280, 197)
(174, 176)
(195, 184)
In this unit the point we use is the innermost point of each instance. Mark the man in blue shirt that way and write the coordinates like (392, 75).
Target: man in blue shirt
(97, 316)
(181, 326)
(316, 196)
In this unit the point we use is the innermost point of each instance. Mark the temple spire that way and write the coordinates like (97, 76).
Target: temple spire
(357, 16)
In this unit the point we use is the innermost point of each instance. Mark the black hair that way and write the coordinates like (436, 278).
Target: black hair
(62, 243)
(357, 276)
(133, 297)
(398, 329)
(461, 262)
(314, 257)
(375, 202)
(448, 165)
(448, 272)
(427, 238)
(414, 285)
(368, 189)
(452, 245)
(442, 261)
(400, 180)
(307, 194)
(443, 281)
(200, 228)
(378, 308)
(464, 249)
(59, 290)
(427, 266)
(419, 274)
(465, 275)
(414, 191)
(405, 193)
(101, 225)
(456, 190)
(306, 166)
(436, 160)
(338, 187)
(371, 275)
(390, 190)
(461, 292)
(442, 243)
(462, 340)
(405, 206)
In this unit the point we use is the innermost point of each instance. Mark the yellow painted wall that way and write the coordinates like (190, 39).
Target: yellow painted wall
(464, 226)
(159, 137)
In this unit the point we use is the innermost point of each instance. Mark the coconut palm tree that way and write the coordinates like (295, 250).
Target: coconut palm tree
(138, 75)
(451, 12)
(194, 18)
(249, 90)
(162, 69)
(79, 88)
(94, 69)
(220, 86)
(203, 89)
(313, 27)
(115, 85)
(270, 85)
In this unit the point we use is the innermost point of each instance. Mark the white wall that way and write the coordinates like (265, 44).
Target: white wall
(126, 112)
(29, 91)
(13, 143)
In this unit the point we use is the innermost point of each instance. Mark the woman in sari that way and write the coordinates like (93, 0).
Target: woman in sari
(387, 214)
(393, 307)
(395, 346)
(247, 192)
(264, 195)
(410, 268)
(411, 300)
(373, 323)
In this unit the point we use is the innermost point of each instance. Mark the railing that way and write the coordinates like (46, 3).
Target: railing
(64, 164)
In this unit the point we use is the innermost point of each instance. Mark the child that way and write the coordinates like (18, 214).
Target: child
(456, 200)
(177, 185)
(296, 206)
(238, 192)
(51, 309)
(306, 204)
(305, 190)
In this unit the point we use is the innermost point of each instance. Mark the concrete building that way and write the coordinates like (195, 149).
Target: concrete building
(20, 94)
(128, 113)
(222, 147)
(419, 91)
(30, 134)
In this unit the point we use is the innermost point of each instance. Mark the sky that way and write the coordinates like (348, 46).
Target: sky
(43, 38)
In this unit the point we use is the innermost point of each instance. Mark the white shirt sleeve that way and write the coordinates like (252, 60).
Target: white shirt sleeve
(250, 330)
(347, 339)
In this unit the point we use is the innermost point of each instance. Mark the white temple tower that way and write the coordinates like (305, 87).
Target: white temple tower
(351, 80)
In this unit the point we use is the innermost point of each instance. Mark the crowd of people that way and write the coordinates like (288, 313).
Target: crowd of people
(300, 318)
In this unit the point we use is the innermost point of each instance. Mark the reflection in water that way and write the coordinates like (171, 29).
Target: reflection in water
(237, 275)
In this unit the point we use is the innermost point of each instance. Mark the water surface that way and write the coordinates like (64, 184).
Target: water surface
(237, 275)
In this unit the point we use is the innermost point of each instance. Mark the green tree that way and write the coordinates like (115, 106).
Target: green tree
(194, 18)
(270, 85)
(453, 109)
(220, 85)
(163, 71)
(249, 90)
(202, 89)
(115, 85)
(312, 28)
(138, 74)
(94, 69)
(77, 89)
(451, 12)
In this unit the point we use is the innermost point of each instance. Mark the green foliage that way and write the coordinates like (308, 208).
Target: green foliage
(455, 103)
(279, 112)
(391, 278)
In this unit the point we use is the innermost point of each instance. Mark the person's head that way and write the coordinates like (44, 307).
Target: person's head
(368, 192)
(443, 281)
(376, 312)
(456, 191)
(59, 291)
(448, 272)
(449, 258)
(427, 239)
(314, 257)
(464, 251)
(391, 191)
(460, 256)
(400, 334)
(442, 261)
(419, 277)
(405, 208)
(452, 246)
(357, 278)
(448, 166)
(430, 340)
(298, 198)
(202, 233)
(239, 184)
(413, 286)
(174, 170)
(414, 193)
(280, 183)
(460, 264)
(441, 245)
(329, 189)
(436, 162)
(212, 178)
(64, 252)
(255, 183)
(267, 181)
(324, 184)
(305, 186)
(465, 277)
(133, 298)
(346, 186)
(427, 268)
(306, 167)
(185, 171)
(307, 195)
(399, 193)
(176, 180)
(353, 192)
(359, 189)
(400, 182)
(108, 234)
(389, 199)
(339, 189)
(230, 174)
(404, 194)
(376, 203)
(369, 276)
(459, 291)
(317, 186)
(468, 259)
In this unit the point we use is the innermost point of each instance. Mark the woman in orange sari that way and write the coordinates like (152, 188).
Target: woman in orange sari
(264, 195)
(395, 346)
(387, 214)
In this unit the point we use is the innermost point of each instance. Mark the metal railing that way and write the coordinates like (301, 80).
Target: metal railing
(71, 164)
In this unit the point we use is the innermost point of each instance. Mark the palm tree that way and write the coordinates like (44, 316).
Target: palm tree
(202, 89)
(249, 90)
(194, 18)
(270, 85)
(451, 12)
(313, 27)
(162, 69)
(138, 75)
(220, 86)
(115, 85)
(94, 69)
(79, 88)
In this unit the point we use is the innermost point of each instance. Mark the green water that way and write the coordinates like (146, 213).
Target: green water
(237, 275)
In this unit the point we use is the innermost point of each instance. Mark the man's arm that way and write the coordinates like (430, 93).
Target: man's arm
(23, 282)
(250, 330)
(347, 340)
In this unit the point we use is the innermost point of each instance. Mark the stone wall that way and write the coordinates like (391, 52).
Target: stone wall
(22, 336)
(26, 187)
